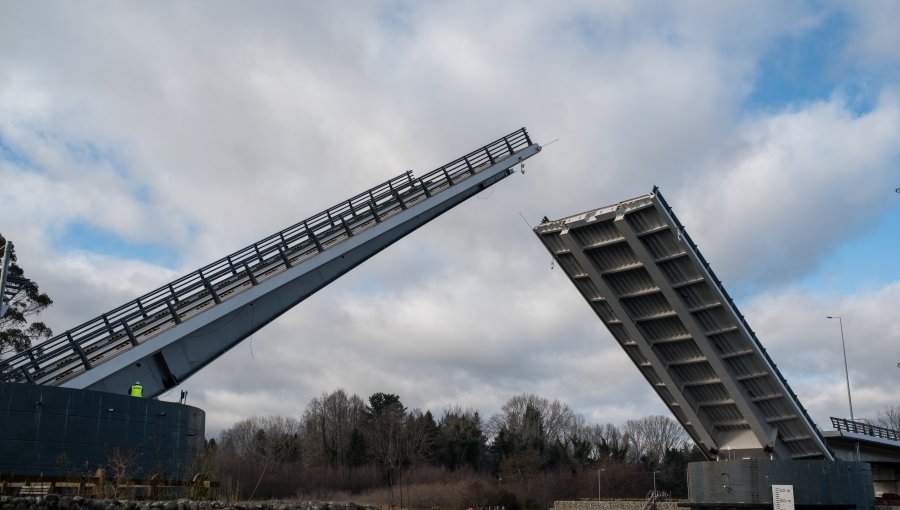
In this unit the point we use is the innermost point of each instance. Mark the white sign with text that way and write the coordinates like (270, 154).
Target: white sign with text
(783, 497)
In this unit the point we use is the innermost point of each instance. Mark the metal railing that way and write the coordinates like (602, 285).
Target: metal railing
(14, 285)
(101, 339)
(865, 429)
(653, 497)
(796, 448)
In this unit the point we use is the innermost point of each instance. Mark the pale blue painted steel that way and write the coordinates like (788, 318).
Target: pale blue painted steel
(167, 335)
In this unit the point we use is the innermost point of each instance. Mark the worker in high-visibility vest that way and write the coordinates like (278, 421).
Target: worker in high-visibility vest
(136, 390)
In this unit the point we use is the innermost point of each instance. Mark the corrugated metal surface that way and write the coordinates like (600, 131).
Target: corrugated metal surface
(644, 278)
(53, 431)
(648, 307)
(596, 234)
(614, 257)
(571, 266)
(815, 483)
(663, 329)
(679, 352)
(631, 283)
(680, 271)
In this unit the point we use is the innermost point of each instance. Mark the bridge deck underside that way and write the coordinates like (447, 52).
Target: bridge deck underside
(643, 277)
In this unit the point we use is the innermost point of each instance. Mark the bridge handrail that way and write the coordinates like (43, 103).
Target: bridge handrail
(653, 497)
(865, 429)
(52, 360)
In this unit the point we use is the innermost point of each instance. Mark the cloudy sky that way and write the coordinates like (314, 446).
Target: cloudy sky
(141, 141)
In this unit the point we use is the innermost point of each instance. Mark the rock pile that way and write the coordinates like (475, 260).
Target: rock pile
(55, 502)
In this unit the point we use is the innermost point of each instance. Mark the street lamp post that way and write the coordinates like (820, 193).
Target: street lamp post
(846, 371)
(599, 484)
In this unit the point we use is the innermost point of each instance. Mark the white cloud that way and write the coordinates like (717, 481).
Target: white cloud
(875, 39)
(221, 124)
(791, 323)
(789, 187)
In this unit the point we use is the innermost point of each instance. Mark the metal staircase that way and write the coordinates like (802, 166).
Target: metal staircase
(653, 497)
(163, 337)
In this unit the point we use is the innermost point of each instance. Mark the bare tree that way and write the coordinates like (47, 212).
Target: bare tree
(609, 442)
(555, 419)
(257, 447)
(329, 422)
(420, 436)
(889, 418)
(650, 437)
(385, 430)
(274, 439)
(237, 441)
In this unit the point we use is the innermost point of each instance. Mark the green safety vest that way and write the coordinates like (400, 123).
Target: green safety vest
(136, 390)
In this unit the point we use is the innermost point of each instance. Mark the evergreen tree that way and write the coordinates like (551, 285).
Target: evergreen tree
(356, 453)
(673, 472)
(461, 441)
(384, 432)
(18, 330)
(383, 403)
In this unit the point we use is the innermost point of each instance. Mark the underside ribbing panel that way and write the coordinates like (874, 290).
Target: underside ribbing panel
(644, 278)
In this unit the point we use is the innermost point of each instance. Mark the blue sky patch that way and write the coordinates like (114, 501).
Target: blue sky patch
(9, 153)
(94, 239)
(87, 153)
(862, 263)
(804, 68)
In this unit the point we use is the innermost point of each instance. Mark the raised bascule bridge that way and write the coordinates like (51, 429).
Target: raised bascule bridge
(67, 395)
(644, 278)
(65, 407)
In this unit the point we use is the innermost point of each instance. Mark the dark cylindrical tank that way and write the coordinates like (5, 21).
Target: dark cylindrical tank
(63, 432)
(815, 482)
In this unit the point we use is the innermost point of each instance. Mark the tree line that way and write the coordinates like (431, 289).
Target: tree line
(531, 452)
